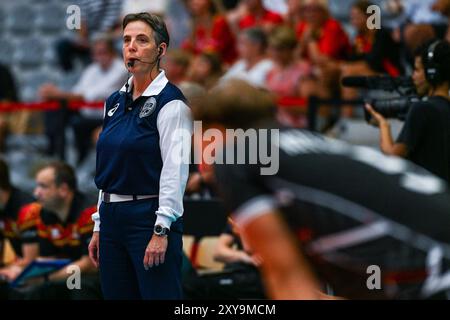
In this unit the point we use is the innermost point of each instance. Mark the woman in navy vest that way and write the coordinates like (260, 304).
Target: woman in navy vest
(142, 173)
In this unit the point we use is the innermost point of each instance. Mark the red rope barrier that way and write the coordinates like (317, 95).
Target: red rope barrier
(284, 102)
(48, 106)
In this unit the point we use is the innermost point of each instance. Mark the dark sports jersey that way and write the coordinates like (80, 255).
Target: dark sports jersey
(62, 239)
(427, 134)
(9, 225)
(351, 208)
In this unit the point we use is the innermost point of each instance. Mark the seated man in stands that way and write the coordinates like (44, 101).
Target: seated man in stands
(63, 230)
(15, 203)
(105, 75)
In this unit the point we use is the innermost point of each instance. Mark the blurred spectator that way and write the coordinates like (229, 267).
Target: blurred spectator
(8, 93)
(15, 203)
(323, 41)
(253, 65)
(178, 21)
(205, 70)
(240, 278)
(63, 230)
(443, 7)
(321, 37)
(210, 32)
(415, 12)
(374, 47)
(289, 77)
(285, 77)
(97, 16)
(176, 65)
(294, 14)
(258, 16)
(374, 52)
(416, 22)
(105, 75)
(134, 6)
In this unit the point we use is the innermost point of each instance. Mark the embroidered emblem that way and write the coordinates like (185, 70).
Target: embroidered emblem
(148, 107)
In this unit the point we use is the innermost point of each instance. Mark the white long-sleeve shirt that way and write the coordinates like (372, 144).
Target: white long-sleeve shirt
(174, 117)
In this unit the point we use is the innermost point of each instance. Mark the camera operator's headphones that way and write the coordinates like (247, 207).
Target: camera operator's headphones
(432, 73)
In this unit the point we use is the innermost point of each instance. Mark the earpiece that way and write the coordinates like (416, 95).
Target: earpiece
(432, 72)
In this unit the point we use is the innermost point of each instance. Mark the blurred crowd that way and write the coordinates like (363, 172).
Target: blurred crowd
(293, 48)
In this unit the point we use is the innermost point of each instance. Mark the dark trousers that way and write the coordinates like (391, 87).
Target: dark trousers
(55, 122)
(83, 128)
(55, 126)
(67, 51)
(125, 231)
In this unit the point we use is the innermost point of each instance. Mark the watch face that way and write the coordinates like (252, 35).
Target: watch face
(158, 229)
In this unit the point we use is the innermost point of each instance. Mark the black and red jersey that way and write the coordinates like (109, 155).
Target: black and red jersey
(9, 225)
(59, 238)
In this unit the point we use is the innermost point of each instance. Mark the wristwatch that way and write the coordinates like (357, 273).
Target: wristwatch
(160, 231)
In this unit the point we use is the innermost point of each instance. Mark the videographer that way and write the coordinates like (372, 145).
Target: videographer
(425, 137)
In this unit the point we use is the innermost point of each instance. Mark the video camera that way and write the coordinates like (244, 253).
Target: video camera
(390, 108)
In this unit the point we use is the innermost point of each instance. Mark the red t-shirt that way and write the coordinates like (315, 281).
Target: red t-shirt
(268, 17)
(218, 39)
(332, 40)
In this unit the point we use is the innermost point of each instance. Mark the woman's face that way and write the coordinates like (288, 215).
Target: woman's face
(201, 69)
(358, 19)
(246, 48)
(281, 56)
(314, 14)
(139, 43)
(419, 78)
(294, 6)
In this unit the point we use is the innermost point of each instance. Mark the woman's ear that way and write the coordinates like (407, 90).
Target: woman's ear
(162, 49)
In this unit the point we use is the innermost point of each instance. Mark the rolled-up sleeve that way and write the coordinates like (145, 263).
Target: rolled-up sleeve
(175, 130)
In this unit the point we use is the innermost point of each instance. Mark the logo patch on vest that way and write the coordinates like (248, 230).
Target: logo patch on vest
(112, 110)
(148, 107)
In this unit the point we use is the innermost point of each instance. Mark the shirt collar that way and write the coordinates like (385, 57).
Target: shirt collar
(154, 88)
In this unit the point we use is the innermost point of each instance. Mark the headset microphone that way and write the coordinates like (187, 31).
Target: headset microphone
(131, 63)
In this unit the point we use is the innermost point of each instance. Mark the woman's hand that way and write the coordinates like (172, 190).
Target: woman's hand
(49, 91)
(94, 248)
(377, 118)
(11, 272)
(155, 252)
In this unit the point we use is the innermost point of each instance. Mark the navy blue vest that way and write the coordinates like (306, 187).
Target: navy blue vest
(128, 153)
